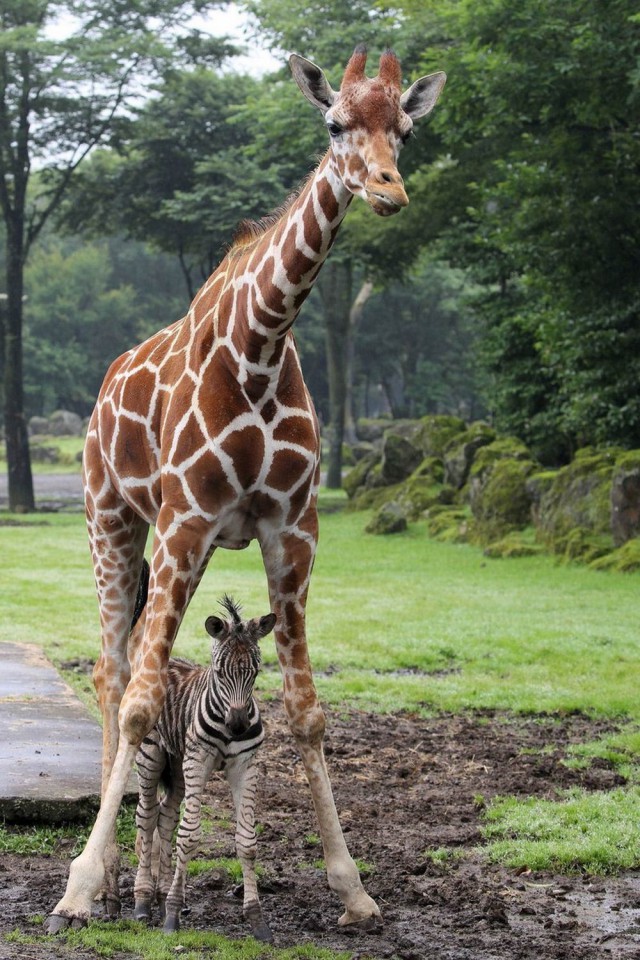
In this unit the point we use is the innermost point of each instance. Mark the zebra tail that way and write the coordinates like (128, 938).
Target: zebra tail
(142, 594)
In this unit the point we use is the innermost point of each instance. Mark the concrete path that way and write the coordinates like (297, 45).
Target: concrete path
(50, 746)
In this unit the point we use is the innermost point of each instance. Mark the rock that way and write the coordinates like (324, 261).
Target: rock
(460, 453)
(43, 454)
(64, 423)
(399, 458)
(625, 498)
(371, 430)
(578, 497)
(38, 426)
(626, 559)
(435, 433)
(390, 518)
(357, 477)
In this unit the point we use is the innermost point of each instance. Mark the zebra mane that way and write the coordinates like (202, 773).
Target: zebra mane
(232, 608)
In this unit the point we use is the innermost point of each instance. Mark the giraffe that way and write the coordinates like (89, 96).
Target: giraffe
(207, 432)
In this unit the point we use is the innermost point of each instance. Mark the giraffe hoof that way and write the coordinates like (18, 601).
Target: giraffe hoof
(56, 923)
(371, 924)
(259, 927)
(111, 907)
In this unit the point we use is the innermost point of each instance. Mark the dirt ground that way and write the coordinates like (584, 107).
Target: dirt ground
(403, 785)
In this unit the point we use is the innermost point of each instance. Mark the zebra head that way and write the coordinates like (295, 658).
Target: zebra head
(235, 659)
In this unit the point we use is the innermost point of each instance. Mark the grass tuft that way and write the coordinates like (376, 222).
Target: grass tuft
(594, 832)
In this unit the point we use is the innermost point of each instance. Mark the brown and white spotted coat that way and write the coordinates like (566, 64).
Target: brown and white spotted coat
(207, 432)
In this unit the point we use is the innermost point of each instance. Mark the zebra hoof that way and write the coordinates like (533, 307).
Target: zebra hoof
(171, 923)
(162, 907)
(142, 911)
(259, 927)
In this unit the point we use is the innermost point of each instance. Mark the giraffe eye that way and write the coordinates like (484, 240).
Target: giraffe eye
(406, 135)
(334, 128)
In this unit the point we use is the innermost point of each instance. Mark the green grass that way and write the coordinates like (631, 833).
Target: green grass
(66, 840)
(403, 622)
(133, 938)
(67, 461)
(593, 832)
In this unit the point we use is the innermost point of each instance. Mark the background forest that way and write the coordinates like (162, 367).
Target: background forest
(508, 289)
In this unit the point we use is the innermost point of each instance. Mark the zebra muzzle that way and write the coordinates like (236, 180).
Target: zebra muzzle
(237, 720)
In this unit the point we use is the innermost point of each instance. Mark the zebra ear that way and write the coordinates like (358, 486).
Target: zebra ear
(214, 626)
(266, 625)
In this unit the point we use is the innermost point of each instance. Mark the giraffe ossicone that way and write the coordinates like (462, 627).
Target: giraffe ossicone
(207, 431)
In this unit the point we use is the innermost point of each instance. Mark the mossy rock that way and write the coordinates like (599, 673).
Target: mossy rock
(448, 526)
(461, 451)
(500, 501)
(626, 559)
(348, 458)
(419, 494)
(579, 497)
(505, 448)
(580, 546)
(370, 429)
(625, 498)
(390, 518)
(436, 431)
(374, 497)
(399, 458)
(512, 547)
(356, 478)
(431, 467)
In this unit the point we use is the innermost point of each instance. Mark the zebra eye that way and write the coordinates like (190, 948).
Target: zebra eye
(334, 128)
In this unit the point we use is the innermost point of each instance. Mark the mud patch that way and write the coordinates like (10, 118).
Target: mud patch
(403, 786)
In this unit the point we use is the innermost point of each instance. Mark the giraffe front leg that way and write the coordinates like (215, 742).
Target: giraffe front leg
(288, 562)
(242, 776)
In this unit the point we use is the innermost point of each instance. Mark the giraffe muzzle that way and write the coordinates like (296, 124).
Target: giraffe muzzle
(386, 199)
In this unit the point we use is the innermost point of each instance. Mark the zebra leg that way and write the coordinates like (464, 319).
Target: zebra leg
(242, 776)
(196, 766)
(150, 762)
(167, 822)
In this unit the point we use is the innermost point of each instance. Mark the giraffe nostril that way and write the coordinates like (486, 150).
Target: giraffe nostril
(386, 177)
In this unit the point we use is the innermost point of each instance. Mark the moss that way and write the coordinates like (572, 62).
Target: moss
(499, 498)
(580, 546)
(431, 467)
(436, 432)
(461, 452)
(449, 526)
(399, 458)
(374, 498)
(348, 458)
(357, 477)
(628, 461)
(511, 547)
(506, 448)
(390, 518)
(418, 494)
(579, 497)
(626, 559)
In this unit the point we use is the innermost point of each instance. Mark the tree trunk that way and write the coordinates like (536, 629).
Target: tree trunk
(355, 316)
(21, 498)
(335, 287)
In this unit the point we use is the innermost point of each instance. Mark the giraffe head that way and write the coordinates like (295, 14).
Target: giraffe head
(235, 658)
(368, 121)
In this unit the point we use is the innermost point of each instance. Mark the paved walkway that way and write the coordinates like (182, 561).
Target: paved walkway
(50, 746)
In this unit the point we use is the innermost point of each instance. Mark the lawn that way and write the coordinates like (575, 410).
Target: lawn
(399, 623)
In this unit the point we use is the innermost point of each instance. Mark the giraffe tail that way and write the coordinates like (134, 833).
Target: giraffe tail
(143, 592)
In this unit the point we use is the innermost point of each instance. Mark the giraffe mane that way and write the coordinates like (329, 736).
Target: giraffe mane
(249, 231)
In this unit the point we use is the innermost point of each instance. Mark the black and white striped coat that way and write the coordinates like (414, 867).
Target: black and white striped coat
(210, 721)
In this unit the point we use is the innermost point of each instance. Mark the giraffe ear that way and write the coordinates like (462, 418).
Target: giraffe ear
(422, 96)
(214, 626)
(312, 82)
(266, 625)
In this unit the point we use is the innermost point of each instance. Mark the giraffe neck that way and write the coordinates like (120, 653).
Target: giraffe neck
(268, 278)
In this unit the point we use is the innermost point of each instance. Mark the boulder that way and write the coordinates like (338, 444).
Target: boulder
(38, 426)
(485, 463)
(356, 478)
(435, 432)
(460, 453)
(625, 498)
(578, 497)
(399, 458)
(390, 518)
(65, 423)
(502, 503)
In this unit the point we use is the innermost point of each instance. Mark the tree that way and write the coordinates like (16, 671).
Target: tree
(540, 118)
(58, 100)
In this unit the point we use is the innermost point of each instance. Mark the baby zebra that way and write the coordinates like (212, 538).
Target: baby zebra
(210, 721)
